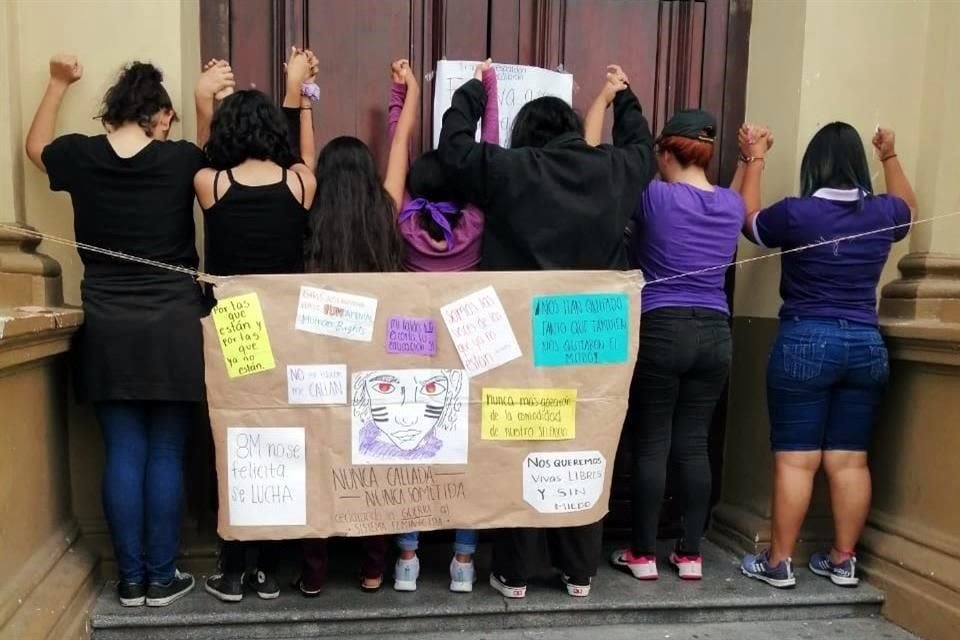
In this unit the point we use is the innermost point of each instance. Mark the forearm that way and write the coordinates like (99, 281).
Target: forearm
(398, 95)
(736, 184)
(593, 123)
(490, 122)
(44, 125)
(750, 192)
(898, 185)
(629, 125)
(308, 144)
(204, 106)
(398, 161)
(459, 126)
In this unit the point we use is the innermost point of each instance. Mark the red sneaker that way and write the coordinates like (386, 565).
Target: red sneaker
(642, 567)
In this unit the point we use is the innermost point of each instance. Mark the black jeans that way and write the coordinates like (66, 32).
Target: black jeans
(520, 554)
(681, 371)
(233, 556)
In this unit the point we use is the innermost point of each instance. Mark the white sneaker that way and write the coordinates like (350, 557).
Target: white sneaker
(642, 567)
(462, 576)
(578, 588)
(688, 567)
(405, 574)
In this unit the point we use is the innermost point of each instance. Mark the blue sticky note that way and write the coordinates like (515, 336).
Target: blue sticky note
(582, 329)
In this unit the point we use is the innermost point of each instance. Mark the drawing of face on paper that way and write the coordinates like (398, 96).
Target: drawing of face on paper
(410, 416)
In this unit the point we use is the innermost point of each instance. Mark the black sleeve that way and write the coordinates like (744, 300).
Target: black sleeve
(292, 115)
(631, 133)
(459, 151)
(60, 161)
(193, 157)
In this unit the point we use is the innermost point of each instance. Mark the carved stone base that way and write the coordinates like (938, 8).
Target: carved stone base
(27, 277)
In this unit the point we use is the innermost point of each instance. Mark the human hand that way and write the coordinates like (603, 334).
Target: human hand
(65, 69)
(403, 74)
(298, 67)
(314, 66)
(616, 82)
(216, 80)
(486, 65)
(884, 141)
(754, 140)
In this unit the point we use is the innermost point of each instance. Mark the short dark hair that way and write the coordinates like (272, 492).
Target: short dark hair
(352, 225)
(138, 96)
(431, 180)
(248, 125)
(835, 159)
(541, 120)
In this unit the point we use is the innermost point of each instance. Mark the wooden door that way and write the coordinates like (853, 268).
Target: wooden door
(678, 54)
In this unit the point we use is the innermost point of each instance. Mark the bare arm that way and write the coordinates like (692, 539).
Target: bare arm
(616, 82)
(754, 143)
(215, 81)
(897, 184)
(64, 71)
(398, 160)
(302, 68)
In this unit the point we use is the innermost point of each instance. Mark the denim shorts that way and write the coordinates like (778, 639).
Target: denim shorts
(825, 379)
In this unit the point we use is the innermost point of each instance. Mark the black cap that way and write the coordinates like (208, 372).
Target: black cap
(691, 123)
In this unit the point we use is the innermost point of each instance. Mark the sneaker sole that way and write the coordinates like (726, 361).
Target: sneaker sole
(840, 581)
(629, 569)
(773, 582)
(687, 574)
(222, 597)
(461, 587)
(578, 591)
(404, 586)
(133, 602)
(513, 593)
(163, 602)
(270, 595)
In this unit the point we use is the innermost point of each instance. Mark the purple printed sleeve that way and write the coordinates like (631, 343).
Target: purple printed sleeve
(771, 226)
(490, 122)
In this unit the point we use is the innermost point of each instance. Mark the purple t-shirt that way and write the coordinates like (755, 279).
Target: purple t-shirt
(679, 228)
(423, 252)
(837, 280)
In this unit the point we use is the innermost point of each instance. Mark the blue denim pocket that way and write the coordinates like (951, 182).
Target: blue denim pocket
(804, 361)
(879, 363)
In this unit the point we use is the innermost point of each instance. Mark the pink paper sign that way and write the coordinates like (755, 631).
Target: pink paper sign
(417, 336)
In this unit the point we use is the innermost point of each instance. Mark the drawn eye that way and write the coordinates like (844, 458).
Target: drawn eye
(433, 387)
(384, 387)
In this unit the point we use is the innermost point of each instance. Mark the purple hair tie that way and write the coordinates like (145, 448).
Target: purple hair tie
(310, 90)
(438, 212)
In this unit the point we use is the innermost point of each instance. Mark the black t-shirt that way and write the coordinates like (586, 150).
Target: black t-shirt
(141, 338)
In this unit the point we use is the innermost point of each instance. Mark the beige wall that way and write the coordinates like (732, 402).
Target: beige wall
(816, 61)
(105, 35)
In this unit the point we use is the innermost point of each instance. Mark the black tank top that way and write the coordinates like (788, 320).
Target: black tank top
(255, 229)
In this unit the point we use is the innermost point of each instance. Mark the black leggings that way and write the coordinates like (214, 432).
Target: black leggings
(681, 371)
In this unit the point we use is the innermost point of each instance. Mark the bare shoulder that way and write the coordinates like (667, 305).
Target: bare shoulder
(203, 182)
(302, 183)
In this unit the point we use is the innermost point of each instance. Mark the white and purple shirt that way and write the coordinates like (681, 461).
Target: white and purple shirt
(837, 280)
(679, 229)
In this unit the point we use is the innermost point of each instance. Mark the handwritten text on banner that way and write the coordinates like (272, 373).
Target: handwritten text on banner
(317, 383)
(243, 335)
(583, 329)
(529, 414)
(267, 478)
(564, 481)
(417, 336)
(340, 315)
(481, 331)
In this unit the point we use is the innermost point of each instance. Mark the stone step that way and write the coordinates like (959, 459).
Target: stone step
(723, 597)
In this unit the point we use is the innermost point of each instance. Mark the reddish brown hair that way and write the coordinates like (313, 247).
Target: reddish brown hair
(688, 151)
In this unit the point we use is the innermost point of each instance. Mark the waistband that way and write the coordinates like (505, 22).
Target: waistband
(685, 312)
(841, 323)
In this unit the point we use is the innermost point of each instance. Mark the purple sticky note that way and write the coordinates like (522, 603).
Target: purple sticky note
(417, 336)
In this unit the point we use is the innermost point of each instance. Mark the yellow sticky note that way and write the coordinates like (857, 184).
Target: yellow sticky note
(528, 414)
(243, 335)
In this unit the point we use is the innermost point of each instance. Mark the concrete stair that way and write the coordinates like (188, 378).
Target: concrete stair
(724, 605)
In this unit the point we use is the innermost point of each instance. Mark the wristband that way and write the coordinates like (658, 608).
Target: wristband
(310, 90)
(749, 159)
(889, 157)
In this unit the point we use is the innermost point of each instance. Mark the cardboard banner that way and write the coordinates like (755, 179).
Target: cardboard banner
(361, 404)
(516, 86)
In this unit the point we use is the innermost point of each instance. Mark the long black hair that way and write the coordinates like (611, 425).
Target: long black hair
(138, 96)
(248, 125)
(835, 159)
(541, 120)
(352, 225)
(431, 180)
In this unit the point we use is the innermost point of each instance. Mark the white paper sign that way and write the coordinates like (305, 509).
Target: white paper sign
(516, 86)
(267, 476)
(340, 315)
(317, 383)
(481, 331)
(563, 482)
(410, 416)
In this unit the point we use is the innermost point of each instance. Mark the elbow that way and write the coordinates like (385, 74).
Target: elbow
(34, 152)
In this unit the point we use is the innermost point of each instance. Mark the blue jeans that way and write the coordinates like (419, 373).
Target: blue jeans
(143, 484)
(465, 541)
(825, 379)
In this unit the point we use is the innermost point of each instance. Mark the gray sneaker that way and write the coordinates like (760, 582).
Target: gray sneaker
(462, 576)
(842, 575)
(758, 567)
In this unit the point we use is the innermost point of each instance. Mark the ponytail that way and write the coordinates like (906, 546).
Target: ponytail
(137, 96)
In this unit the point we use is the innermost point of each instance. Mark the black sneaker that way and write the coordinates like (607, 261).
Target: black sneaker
(508, 588)
(132, 594)
(226, 587)
(576, 586)
(263, 584)
(160, 595)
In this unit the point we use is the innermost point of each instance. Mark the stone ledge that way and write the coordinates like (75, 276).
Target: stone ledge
(18, 254)
(26, 321)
